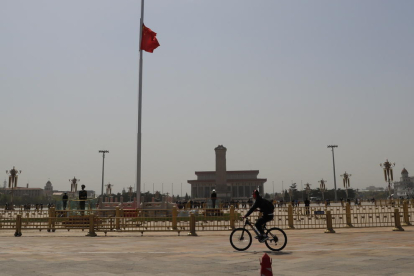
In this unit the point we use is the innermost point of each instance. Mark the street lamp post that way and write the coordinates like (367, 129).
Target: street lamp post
(103, 167)
(322, 188)
(130, 191)
(290, 194)
(388, 174)
(74, 185)
(13, 177)
(346, 182)
(333, 160)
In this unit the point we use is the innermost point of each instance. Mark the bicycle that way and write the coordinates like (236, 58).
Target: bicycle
(241, 239)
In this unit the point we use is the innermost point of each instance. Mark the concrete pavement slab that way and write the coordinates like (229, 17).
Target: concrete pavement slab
(356, 251)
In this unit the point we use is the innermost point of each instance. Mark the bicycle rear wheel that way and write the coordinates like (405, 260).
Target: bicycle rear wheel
(240, 239)
(277, 239)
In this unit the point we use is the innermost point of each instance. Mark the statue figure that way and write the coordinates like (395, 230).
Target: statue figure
(74, 184)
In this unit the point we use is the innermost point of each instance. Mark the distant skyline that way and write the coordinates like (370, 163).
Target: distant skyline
(275, 82)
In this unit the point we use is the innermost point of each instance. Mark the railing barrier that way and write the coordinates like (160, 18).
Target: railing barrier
(329, 228)
(397, 221)
(348, 215)
(174, 218)
(232, 217)
(192, 225)
(92, 226)
(117, 218)
(49, 221)
(290, 217)
(406, 216)
(18, 232)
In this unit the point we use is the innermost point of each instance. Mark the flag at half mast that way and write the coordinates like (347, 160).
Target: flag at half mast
(149, 40)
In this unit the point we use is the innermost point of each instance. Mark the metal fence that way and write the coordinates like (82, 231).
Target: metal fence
(204, 219)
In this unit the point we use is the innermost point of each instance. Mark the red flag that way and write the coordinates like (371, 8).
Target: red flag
(149, 41)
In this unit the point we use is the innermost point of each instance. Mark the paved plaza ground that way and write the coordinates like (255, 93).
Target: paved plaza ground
(367, 251)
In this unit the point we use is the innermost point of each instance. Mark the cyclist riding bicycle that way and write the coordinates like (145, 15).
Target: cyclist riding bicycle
(266, 208)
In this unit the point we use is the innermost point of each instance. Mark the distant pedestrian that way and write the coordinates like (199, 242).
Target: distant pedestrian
(83, 196)
(307, 203)
(213, 198)
(65, 199)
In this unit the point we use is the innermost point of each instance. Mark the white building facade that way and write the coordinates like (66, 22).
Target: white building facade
(404, 187)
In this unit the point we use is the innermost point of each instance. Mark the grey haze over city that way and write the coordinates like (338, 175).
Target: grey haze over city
(275, 82)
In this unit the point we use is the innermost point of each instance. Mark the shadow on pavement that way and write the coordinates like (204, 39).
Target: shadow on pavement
(275, 253)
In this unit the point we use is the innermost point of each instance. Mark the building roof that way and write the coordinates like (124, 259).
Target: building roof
(23, 188)
(228, 180)
(404, 171)
(229, 172)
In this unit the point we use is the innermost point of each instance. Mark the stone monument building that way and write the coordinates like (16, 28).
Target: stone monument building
(228, 184)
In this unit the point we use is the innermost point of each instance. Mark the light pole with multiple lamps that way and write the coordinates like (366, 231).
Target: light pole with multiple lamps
(13, 177)
(307, 189)
(74, 185)
(347, 183)
(322, 188)
(388, 174)
(103, 167)
(333, 160)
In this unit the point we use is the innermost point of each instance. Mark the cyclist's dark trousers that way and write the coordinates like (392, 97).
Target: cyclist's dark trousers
(262, 221)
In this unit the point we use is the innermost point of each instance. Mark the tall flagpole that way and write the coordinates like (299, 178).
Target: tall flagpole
(139, 109)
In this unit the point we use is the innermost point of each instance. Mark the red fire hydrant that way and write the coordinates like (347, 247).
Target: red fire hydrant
(266, 266)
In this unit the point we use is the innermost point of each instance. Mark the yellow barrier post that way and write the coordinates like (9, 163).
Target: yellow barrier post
(174, 218)
(290, 217)
(232, 217)
(192, 225)
(18, 232)
(49, 221)
(91, 226)
(397, 221)
(53, 212)
(348, 215)
(117, 218)
(405, 210)
(329, 228)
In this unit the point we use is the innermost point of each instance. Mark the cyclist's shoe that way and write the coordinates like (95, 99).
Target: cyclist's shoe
(263, 239)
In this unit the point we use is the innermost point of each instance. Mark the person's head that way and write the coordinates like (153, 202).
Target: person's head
(256, 194)
(214, 190)
(83, 186)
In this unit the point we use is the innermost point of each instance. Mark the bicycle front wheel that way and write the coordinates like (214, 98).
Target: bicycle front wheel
(277, 239)
(240, 239)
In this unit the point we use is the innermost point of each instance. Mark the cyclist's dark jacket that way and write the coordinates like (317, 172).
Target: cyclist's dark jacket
(265, 206)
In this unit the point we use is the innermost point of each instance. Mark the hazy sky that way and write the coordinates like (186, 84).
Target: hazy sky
(273, 81)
